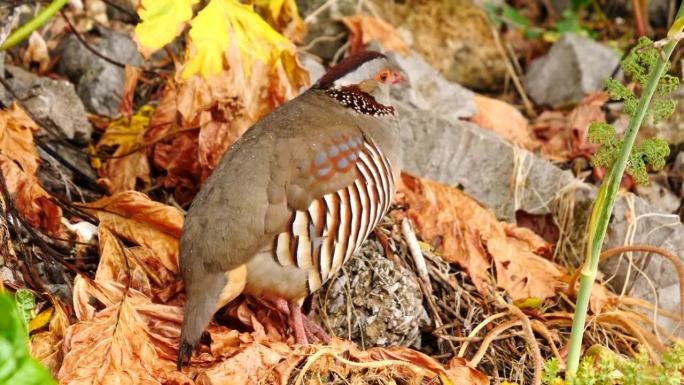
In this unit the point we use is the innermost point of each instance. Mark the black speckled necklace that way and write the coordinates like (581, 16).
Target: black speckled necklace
(359, 101)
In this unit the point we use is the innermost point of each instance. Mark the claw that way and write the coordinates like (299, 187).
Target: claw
(185, 349)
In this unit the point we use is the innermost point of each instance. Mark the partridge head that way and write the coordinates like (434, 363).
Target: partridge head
(294, 197)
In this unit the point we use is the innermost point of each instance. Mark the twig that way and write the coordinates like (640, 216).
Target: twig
(638, 302)
(327, 351)
(676, 262)
(531, 340)
(540, 328)
(511, 71)
(89, 181)
(416, 253)
(88, 46)
(479, 327)
(473, 362)
(321, 39)
(54, 254)
(312, 16)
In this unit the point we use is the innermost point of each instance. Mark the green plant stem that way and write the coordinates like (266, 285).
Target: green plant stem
(603, 208)
(25, 30)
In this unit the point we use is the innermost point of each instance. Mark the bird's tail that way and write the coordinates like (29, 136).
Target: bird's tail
(202, 296)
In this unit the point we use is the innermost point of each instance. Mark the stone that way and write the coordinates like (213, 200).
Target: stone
(574, 67)
(98, 82)
(315, 68)
(9, 13)
(381, 301)
(658, 194)
(427, 90)
(455, 37)
(54, 104)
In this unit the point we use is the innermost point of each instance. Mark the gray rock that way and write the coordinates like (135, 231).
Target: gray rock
(574, 67)
(99, 83)
(9, 13)
(658, 194)
(427, 90)
(53, 103)
(315, 68)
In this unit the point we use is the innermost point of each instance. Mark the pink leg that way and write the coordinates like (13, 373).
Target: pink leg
(297, 323)
(315, 331)
(304, 329)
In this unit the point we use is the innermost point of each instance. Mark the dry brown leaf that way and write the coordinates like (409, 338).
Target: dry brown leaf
(550, 128)
(16, 138)
(183, 170)
(284, 17)
(118, 264)
(131, 77)
(474, 238)
(364, 29)
(458, 371)
(119, 344)
(163, 119)
(588, 111)
(32, 201)
(136, 218)
(37, 52)
(504, 119)
(18, 163)
(46, 346)
(254, 362)
(565, 136)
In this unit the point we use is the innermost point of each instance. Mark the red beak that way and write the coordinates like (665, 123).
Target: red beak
(398, 77)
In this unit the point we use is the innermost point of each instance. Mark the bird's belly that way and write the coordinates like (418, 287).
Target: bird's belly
(267, 277)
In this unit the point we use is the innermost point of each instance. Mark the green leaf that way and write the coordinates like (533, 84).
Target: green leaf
(493, 13)
(656, 151)
(26, 304)
(551, 371)
(16, 364)
(569, 23)
(601, 133)
(31, 372)
(514, 17)
(662, 109)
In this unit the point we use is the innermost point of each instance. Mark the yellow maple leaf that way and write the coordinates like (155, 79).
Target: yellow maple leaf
(161, 22)
(225, 22)
(128, 164)
(283, 15)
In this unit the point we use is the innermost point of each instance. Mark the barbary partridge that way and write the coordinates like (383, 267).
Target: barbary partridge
(294, 197)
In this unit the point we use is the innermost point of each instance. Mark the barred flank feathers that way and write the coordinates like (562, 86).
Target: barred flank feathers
(325, 236)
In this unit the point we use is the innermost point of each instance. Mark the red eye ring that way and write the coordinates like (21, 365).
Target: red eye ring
(383, 76)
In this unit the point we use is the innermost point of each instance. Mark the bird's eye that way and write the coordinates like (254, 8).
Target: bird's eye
(383, 76)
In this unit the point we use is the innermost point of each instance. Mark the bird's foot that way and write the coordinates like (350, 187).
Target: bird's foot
(314, 331)
(305, 330)
(184, 350)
